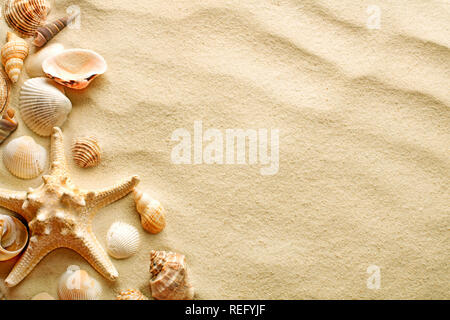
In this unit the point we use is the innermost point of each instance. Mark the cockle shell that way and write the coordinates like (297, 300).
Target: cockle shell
(152, 213)
(48, 31)
(24, 158)
(14, 53)
(33, 64)
(169, 276)
(86, 152)
(25, 16)
(13, 237)
(76, 284)
(8, 124)
(75, 68)
(43, 105)
(43, 296)
(131, 294)
(122, 240)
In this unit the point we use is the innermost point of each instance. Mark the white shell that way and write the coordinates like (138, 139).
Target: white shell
(76, 284)
(122, 240)
(33, 64)
(24, 158)
(43, 296)
(13, 237)
(43, 105)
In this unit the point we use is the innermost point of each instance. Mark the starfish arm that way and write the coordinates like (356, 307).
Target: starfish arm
(57, 155)
(104, 197)
(13, 200)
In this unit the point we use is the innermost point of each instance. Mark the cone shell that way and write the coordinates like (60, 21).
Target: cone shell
(48, 31)
(8, 124)
(86, 152)
(76, 284)
(33, 64)
(14, 53)
(24, 158)
(169, 276)
(75, 68)
(43, 105)
(122, 240)
(131, 294)
(153, 216)
(13, 237)
(25, 16)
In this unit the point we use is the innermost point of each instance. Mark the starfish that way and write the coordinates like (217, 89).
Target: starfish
(60, 215)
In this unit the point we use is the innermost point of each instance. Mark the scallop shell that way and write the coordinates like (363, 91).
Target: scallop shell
(152, 213)
(8, 124)
(75, 68)
(43, 105)
(25, 16)
(14, 53)
(169, 276)
(48, 31)
(33, 64)
(13, 237)
(24, 158)
(86, 152)
(131, 294)
(43, 296)
(76, 284)
(122, 240)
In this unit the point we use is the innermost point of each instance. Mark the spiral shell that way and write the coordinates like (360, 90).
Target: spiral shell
(169, 276)
(14, 53)
(131, 294)
(122, 240)
(4, 91)
(25, 16)
(43, 105)
(153, 217)
(86, 152)
(48, 31)
(13, 237)
(8, 124)
(76, 284)
(24, 158)
(33, 64)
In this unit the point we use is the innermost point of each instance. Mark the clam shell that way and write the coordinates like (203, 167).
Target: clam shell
(76, 284)
(153, 217)
(122, 240)
(33, 64)
(25, 16)
(131, 294)
(86, 152)
(13, 237)
(13, 54)
(43, 105)
(8, 124)
(48, 31)
(75, 68)
(24, 158)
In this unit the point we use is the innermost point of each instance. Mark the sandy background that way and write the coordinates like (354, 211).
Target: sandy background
(364, 144)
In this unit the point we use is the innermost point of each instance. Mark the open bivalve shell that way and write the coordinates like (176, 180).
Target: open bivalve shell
(13, 237)
(76, 284)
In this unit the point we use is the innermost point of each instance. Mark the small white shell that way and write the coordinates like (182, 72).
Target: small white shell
(13, 237)
(43, 105)
(122, 240)
(24, 158)
(33, 64)
(76, 284)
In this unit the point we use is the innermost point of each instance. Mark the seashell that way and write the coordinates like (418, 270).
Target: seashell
(131, 294)
(122, 240)
(14, 53)
(76, 284)
(48, 31)
(8, 124)
(153, 216)
(43, 296)
(24, 158)
(13, 237)
(86, 152)
(75, 68)
(169, 276)
(43, 105)
(4, 91)
(33, 64)
(25, 16)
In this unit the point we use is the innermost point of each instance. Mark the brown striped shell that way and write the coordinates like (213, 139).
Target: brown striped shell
(86, 152)
(131, 294)
(4, 91)
(45, 33)
(8, 124)
(14, 53)
(25, 16)
(153, 215)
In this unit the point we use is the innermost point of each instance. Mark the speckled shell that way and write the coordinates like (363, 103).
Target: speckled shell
(48, 31)
(131, 294)
(153, 216)
(122, 240)
(13, 237)
(43, 296)
(75, 68)
(33, 64)
(86, 152)
(169, 279)
(76, 284)
(43, 105)
(25, 16)
(13, 54)
(8, 124)
(24, 158)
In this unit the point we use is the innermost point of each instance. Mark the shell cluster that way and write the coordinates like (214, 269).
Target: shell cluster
(76, 284)
(153, 217)
(25, 16)
(8, 124)
(86, 152)
(13, 237)
(48, 31)
(122, 240)
(13, 54)
(131, 294)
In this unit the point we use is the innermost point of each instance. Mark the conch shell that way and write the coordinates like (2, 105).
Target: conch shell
(122, 240)
(152, 213)
(13, 237)
(169, 276)
(86, 152)
(8, 124)
(131, 294)
(48, 31)
(76, 284)
(25, 16)
(14, 53)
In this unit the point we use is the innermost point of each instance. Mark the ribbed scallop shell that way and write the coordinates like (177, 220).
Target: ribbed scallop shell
(76, 284)
(43, 105)
(131, 294)
(152, 213)
(24, 158)
(25, 16)
(8, 124)
(169, 276)
(33, 64)
(122, 240)
(13, 237)
(86, 152)
(13, 54)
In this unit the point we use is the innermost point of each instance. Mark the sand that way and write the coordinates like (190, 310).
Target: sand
(364, 138)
